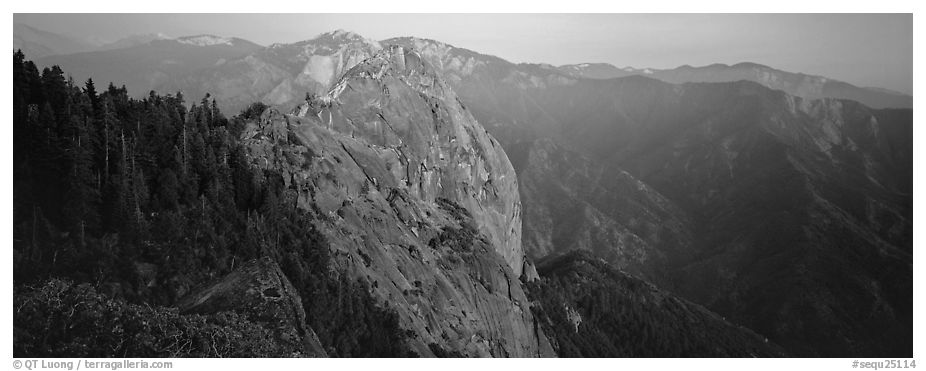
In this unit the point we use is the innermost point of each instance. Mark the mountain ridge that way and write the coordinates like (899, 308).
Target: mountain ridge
(804, 85)
(40, 43)
(799, 84)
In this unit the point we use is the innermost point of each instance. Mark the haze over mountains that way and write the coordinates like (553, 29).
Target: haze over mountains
(805, 86)
(725, 196)
(133, 40)
(268, 67)
(39, 43)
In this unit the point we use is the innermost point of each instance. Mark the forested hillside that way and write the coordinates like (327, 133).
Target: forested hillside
(590, 309)
(130, 204)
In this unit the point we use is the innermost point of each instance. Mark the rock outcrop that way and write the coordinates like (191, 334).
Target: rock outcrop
(259, 290)
(415, 198)
(433, 148)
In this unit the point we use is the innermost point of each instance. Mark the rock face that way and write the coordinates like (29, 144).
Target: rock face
(768, 181)
(500, 94)
(261, 291)
(415, 198)
(430, 145)
(767, 184)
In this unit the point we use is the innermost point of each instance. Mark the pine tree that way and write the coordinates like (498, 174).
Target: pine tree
(90, 91)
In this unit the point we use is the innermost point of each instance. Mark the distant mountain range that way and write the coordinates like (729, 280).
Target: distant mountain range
(798, 84)
(38, 43)
(153, 65)
(781, 201)
(133, 40)
(289, 75)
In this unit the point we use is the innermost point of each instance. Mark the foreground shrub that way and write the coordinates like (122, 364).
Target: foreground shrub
(60, 319)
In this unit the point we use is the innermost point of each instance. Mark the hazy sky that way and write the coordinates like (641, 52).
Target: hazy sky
(863, 49)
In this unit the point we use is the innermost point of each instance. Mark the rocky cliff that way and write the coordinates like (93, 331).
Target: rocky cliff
(416, 198)
(768, 184)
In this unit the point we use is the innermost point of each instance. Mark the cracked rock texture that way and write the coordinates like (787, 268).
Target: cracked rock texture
(415, 198)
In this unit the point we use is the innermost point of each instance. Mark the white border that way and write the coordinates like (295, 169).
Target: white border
(480, 6)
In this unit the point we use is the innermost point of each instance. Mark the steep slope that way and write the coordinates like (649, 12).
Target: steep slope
(260, 290)
(798, 84)
(804, 214)
(771, 182)
(774, 185)
(572, 202)
(415, 198)
(498, 92)
(593, 310)
(703, 135)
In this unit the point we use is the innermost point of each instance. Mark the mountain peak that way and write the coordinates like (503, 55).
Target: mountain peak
(410, 107)
(335, 40)
(135, 40)
(344, 33)
(393, 60)
(414, 40)
(749, 65)
(340, 35)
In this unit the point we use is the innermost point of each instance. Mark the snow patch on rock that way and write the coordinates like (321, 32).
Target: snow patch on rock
(205, 40)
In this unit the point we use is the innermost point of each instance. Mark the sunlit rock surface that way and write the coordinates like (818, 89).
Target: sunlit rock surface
(416, 198)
